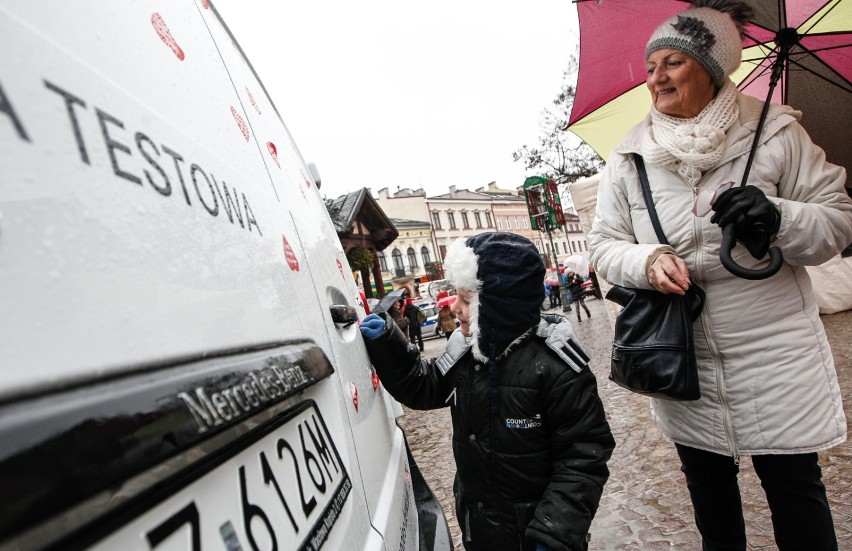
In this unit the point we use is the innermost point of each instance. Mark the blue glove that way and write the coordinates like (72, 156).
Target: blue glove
(372, 327)
(541, 547)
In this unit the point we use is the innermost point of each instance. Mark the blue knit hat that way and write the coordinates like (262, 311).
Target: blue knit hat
(505, 273)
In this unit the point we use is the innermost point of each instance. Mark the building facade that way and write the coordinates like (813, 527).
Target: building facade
(459, 214)
(404, 204)
(406, 261)
(427, 226)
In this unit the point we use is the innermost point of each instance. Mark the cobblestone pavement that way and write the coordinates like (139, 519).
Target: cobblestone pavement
(645, 504)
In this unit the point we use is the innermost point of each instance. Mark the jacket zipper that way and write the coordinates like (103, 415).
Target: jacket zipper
(711, 341)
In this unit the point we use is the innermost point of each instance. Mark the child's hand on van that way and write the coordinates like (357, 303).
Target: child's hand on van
(372, 327)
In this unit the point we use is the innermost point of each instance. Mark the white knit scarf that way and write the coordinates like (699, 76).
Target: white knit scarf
(693, 146)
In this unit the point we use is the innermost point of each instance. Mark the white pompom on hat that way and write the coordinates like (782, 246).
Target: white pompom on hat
(708, 35)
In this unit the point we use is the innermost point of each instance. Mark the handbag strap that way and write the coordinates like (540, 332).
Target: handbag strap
(649, 200)
(695, 294)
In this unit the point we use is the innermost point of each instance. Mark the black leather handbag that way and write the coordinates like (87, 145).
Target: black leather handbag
(652, 349)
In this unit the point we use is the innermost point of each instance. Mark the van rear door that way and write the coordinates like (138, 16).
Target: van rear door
(381, 454)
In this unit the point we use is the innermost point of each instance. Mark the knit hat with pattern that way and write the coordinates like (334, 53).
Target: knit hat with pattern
(709, 35)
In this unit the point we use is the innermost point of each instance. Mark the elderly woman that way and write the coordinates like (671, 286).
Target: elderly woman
(768, 384)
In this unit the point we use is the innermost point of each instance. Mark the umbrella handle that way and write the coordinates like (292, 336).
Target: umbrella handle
(776, 260)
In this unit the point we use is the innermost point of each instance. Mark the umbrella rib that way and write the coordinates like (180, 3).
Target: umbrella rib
(817, 22)
(825, 49)
(757, 41)
(755, 77)
(790, 60)
(847, 88)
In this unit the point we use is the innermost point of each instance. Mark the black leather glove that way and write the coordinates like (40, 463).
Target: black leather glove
(754, 217)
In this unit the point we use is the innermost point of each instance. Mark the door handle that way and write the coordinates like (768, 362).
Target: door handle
(343, 315)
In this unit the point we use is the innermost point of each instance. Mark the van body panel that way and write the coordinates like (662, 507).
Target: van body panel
(91, 248)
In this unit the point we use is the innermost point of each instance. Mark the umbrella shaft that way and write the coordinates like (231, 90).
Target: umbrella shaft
(785, 39)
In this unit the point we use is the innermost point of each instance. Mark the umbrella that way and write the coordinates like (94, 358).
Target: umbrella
(808, 41)
(388, 300)
(577, 264)
(446, 301)
(611, 95)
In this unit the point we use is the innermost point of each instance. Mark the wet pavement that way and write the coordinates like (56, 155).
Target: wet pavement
(645, 504)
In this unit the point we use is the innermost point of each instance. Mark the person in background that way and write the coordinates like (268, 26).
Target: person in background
(553, 294)
(575, 288)
(768, 384)
(415, 317)
(395, 312)
(567, 298)
(447, 321)
(530, 437)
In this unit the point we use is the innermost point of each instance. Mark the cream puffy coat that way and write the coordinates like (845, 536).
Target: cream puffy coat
(767, 376)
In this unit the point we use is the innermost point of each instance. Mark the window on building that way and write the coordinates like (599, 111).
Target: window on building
(499, 223)
(465, 222)
(526, 223)
(478, 219)
(383, 263)
(508, 223)
(436, 220)
(585, 246)
(517, 223)
(424, 253)
(397, 259)
(488, 223)
(412, 258)
(443, 250)
(452, 218)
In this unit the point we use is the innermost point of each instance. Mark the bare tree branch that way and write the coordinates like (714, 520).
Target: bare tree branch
(559, 154)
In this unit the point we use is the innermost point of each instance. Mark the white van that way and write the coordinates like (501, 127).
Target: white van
(180, 360)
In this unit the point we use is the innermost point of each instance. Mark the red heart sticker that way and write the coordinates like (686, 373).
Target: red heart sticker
(205, 4)
(292, 261)
(251, 99)
(166, 35)
(241, 123)
(353, 390)
(274, 152)
(375, 379)
(339, 266)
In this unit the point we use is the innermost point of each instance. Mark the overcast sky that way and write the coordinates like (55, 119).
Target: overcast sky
(394, 94)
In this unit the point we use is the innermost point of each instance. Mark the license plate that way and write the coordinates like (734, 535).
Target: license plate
(283, 491)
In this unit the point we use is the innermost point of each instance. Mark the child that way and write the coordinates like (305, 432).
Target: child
(530, 438)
